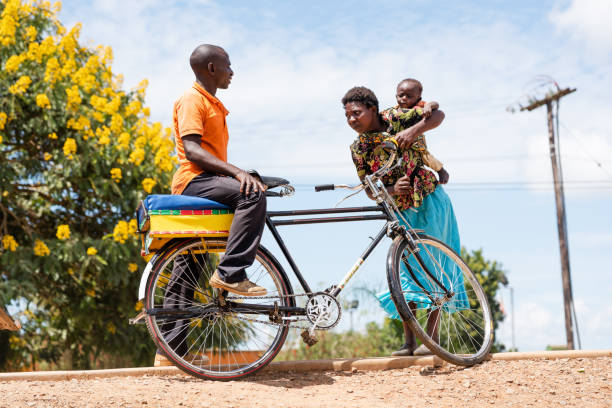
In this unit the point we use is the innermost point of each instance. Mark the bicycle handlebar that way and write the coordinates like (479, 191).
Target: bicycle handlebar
(324, 187)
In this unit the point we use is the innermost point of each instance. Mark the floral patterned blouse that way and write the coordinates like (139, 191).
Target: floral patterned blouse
(402, 118)
(368, 157)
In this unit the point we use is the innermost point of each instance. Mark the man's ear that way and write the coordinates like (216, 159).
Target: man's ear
(211, 68)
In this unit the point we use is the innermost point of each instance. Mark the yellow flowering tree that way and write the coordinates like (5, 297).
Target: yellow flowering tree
(77, 154)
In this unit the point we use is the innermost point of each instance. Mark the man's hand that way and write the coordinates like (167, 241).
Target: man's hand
(249, 183)
(443, 176)
(402, 186)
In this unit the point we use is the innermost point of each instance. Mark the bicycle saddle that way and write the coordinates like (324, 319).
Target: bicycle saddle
(271, 182)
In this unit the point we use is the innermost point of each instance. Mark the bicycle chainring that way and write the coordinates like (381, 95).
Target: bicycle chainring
(323, 310)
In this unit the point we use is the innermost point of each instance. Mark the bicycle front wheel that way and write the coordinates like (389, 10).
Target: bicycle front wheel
(455, 324)
(201, 335)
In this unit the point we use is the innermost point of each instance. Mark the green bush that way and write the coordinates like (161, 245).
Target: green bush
(77, 154)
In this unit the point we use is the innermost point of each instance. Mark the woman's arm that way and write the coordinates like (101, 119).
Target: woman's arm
(406, 137)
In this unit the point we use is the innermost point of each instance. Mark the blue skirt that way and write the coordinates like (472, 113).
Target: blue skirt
(437, 218)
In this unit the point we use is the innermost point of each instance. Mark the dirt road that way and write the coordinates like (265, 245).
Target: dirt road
(536, 383)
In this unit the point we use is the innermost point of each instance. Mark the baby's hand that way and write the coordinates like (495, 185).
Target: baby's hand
(429, 108)
(443, 176)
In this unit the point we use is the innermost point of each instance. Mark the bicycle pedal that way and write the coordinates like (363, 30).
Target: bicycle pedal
(309, 339)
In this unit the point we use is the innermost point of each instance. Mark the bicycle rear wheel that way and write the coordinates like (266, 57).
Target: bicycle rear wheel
(460, 326)
(198, 334)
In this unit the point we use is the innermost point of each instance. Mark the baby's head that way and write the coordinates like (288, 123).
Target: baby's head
(408, 93)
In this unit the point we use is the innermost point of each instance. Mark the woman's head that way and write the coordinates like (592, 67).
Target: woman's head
(361, 109)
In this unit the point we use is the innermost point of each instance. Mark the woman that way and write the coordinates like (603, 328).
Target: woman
(423, 203)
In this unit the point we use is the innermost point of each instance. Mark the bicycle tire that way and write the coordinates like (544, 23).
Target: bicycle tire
(219, 345)
(465, 326)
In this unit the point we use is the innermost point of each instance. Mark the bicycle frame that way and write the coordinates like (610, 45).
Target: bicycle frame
(386, 209)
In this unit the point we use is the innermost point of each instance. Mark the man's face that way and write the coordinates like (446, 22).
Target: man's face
(408, 94)
(223, 73)
(359, 117)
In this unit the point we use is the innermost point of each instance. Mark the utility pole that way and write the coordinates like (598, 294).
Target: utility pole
(560, 202)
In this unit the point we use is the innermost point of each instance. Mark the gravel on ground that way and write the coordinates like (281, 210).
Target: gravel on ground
(582, 382)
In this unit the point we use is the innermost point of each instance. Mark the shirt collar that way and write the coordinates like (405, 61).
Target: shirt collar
(210, 97)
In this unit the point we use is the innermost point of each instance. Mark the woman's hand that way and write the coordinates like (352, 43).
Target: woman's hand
(402, 186)
(406, 137)
(443, 176)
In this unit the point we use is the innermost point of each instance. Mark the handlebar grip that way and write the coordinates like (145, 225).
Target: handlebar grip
(389, 144)
(323, 187)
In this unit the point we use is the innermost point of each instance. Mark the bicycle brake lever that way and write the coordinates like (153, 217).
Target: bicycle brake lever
(348, 196)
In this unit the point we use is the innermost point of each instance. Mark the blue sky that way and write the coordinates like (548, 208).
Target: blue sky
(294, 61)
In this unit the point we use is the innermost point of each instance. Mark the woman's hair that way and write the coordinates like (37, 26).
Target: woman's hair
(361, 94)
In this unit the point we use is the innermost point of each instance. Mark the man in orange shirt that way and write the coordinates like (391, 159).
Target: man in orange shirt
(201, 139)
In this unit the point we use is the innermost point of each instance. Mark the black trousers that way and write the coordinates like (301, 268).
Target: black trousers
(243, 240)
(247, 226)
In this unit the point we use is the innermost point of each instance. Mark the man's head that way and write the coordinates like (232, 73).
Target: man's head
(408, 93)
(211, 64)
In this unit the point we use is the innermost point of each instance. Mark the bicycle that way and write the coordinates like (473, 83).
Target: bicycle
(219, 335)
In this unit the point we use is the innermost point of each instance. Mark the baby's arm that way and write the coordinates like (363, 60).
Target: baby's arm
(430, 107)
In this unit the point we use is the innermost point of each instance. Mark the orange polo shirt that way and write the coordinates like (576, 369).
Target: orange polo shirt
(198, 112)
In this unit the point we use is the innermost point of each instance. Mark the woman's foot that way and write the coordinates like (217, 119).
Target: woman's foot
(422, 350)
(406, 350)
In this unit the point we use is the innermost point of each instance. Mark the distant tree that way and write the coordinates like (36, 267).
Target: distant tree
(77, 154)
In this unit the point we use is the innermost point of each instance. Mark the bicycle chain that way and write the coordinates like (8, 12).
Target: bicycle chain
(288, 324)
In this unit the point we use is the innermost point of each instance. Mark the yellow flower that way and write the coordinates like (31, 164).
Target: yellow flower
(115, 174)
(111, 328)
(20, 86)
(92, 251)
(78, 124)
(3, 117)
(133, 227)
(31, 33)
(120, 232)
(52, 136)
(8, 241)
(53, 70)
(43, 101)
(5, 193)
(116, 123)
(148, 184)
(90, 292)
(103, 134)
(70, 271)
(137, 156)
(63, 232)
(73, 98)
(123, 141)
(47, 156)
(70, 147)
(132, 109)
(0, 139)
(138, 306)
(132, 267)
(40, 248)
(13, 63)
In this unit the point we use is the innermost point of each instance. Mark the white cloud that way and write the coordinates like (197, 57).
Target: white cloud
(284, 101)
(587, 21)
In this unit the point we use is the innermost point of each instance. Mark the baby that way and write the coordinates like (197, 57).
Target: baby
(408, 96)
